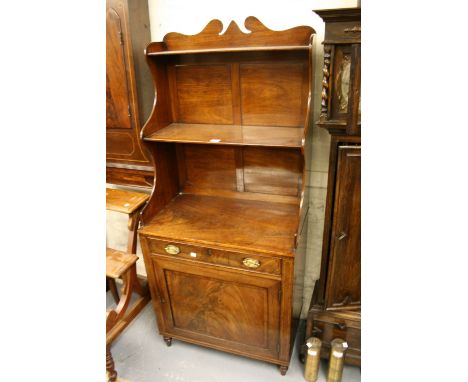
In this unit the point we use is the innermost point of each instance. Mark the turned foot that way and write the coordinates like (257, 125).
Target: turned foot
(283, 370)
(111, 373)
(168, 340)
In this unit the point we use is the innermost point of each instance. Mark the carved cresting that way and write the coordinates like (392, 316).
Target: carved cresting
(325, 82)
(211, 38)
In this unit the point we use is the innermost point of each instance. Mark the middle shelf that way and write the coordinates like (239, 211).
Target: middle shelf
(239, 135)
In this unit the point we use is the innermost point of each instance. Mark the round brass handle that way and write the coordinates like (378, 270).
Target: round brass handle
(172, 249)
(251, 263)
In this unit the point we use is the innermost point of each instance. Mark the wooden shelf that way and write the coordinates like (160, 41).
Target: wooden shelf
(270, 136)
(231, 223)
(227, 50)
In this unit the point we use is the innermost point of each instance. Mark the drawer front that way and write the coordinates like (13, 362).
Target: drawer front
(338, 328)
(349, 31)
(176, 249)
(236, 260)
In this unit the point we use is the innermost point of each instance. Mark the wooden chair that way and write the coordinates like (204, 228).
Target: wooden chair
(130, 203)
(123, 265)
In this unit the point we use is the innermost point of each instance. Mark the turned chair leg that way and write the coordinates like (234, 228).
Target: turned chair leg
(110, 367)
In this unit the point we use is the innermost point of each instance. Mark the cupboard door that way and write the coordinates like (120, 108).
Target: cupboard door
(221, 308)
(117, 88)
(344, 273)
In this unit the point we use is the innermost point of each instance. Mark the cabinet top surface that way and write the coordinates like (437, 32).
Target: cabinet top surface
(230, 223)
(124, 201)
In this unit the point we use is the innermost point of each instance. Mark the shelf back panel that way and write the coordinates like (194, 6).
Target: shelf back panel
(215, 169)
(267, 91)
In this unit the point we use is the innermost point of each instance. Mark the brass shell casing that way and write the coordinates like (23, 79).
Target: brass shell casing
(312, 362)
(337, 354)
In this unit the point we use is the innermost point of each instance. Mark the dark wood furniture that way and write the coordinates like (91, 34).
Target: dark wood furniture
(225, 225)
(335, 310)
(122, 265)
(129, 92)
(130, 203)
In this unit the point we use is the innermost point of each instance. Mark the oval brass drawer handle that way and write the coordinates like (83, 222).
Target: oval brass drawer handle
(251, 263)
(172, 249)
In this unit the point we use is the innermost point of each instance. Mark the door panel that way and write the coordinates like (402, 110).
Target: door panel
(117, 94)
(221, 308)
(344, 273)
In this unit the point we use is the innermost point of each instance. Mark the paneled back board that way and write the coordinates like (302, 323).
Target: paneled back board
(227, 135)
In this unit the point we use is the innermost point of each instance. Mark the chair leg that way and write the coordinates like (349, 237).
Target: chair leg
(110, 367)
(113, 289)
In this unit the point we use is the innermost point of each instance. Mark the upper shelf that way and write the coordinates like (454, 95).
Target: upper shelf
(153, 52)
(270, 136)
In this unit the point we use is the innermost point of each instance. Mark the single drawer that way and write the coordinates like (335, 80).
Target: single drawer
(256, 263)
(175, 249)
(349, 31)
(329, 328)
(249, 262)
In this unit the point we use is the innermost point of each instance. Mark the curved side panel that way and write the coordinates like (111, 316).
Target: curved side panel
(166, 184)
(161, 114)
(304, 196)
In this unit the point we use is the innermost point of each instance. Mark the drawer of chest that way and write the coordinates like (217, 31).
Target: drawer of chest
(263, 264)
(338, 328)
(344, 31)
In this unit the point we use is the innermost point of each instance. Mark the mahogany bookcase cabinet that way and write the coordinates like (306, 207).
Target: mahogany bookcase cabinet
(129, 92)
(335, 310)
(225, 225)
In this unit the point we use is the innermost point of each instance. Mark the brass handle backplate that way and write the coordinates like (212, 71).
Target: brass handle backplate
(172, 249)
(251, 263)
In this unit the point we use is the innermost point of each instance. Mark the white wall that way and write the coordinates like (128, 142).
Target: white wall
(190, 17)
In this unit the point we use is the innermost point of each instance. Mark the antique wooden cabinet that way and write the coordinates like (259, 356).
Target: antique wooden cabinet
(129, 92)
(225, 226)
(336, 301)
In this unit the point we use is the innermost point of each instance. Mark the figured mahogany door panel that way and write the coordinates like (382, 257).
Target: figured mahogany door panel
(272, 171)
(204, 94)
(117, 89)
(344, 273)
(219, 307)
(274, 94)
